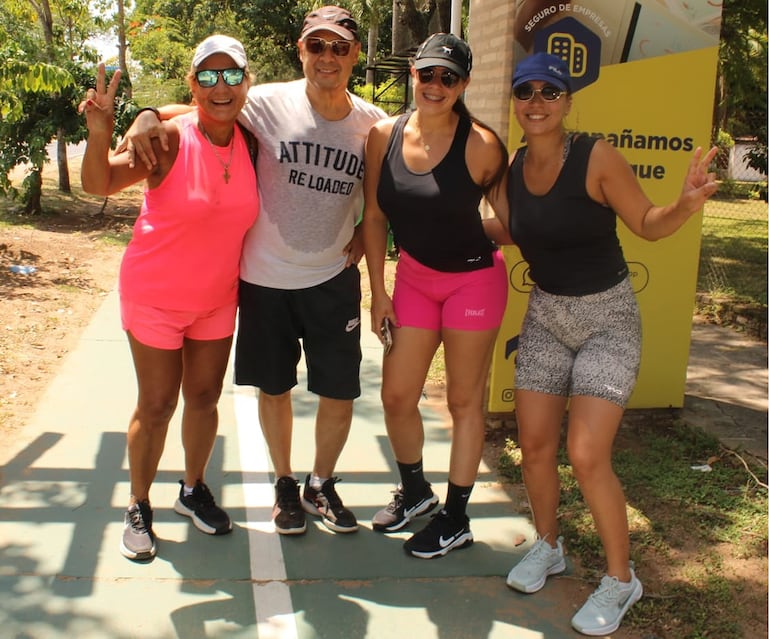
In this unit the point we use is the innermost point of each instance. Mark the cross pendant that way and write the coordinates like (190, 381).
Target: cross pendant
(227, 176)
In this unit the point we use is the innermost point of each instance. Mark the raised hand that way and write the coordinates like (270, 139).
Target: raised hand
(99, 103)
(699, 183)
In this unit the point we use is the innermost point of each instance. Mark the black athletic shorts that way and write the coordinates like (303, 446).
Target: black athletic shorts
(327, 320)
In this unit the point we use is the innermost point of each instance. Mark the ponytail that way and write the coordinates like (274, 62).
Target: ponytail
(494, 182)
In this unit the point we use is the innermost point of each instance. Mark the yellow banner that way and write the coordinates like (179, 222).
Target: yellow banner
(656, 111)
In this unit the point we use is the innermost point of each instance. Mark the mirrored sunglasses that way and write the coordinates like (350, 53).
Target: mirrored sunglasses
(448, 78)
(209, 77)
(525, 92)
(317, 46)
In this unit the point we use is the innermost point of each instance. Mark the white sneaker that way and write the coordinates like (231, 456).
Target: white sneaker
(542, 560)
(602, 613)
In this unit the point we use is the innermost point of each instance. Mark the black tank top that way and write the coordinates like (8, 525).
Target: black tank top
(569, 240)
(435, 215)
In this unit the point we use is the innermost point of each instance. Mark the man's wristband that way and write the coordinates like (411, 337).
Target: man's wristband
(153, 109)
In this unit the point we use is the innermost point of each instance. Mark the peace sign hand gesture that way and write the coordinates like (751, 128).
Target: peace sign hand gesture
(99, 103)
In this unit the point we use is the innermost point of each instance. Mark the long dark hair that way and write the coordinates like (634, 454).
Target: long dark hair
(494, 182)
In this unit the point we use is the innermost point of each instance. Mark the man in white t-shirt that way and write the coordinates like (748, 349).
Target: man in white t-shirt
(300, 284)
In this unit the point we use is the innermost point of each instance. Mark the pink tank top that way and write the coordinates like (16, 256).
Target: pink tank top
(187, 240)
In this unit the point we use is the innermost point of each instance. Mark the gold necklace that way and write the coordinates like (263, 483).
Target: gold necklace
(225, 165)
(425, 145)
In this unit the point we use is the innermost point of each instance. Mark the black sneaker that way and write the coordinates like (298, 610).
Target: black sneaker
(326, 503)
(201, 507)
(138, 541)
(288, 516)
(400, 511)
(441, 535)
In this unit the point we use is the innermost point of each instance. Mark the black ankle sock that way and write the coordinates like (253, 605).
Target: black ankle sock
(413, 480)
(457, 500)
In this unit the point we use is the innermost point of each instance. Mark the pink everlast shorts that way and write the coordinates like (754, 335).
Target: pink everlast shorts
(469, 301)
(167, 329)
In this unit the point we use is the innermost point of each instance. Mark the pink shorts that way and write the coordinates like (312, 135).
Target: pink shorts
(468, 301)
(167, 329)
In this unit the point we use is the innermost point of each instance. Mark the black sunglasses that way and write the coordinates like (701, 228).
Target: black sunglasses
(525, 92)
(316, 46)
(209, 77)
(448, 78)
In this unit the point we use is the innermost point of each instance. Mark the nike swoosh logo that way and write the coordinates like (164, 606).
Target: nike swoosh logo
(409, 511)
(352, 324)
(445, 542)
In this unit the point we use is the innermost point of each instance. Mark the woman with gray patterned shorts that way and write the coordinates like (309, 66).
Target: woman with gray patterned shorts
(581, 337)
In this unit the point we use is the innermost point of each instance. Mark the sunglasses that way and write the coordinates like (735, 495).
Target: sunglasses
(209, 77)
(316, 46)
(448, 78)
(525, 92)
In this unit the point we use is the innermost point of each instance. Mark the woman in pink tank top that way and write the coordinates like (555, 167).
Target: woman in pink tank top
(179, 275)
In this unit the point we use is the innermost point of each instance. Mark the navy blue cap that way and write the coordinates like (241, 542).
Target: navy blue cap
(445, 50)
(545, 67)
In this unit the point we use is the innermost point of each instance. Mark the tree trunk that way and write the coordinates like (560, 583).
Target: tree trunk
(410, 23)
(61, 161)
(441, 20)
(399, 40)
(371, 45)
(34, 204)
(122, 46)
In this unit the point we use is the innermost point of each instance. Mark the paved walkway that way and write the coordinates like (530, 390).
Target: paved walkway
(727, 385)
(63, 486)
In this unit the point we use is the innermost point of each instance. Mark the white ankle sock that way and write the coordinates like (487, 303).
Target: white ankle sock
(316, 482)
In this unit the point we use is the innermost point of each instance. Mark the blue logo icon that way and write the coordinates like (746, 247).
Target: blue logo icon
(577, 45)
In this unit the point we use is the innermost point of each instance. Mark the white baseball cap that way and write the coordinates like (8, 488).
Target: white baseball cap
(220, 44)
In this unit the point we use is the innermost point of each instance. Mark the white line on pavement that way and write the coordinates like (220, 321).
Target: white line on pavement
(272, 597)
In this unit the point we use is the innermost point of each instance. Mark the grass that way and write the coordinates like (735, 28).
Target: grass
(733, 258)
(675, 511)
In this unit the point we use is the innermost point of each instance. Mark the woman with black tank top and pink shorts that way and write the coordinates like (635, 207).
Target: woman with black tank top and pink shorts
(426, 173)
(580, 341)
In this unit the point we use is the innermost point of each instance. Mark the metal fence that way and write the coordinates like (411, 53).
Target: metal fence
(732, 278)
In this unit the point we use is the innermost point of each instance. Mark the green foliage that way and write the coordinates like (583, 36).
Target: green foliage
(152, 91)
(44, 104)
(159, 44)
(44, 115)
(389, 96)
(724, 142)
(741, 105)
(743, 61)
(273, 28)
(18, 76)
(730, 190)
(757, 155)
(509, 463)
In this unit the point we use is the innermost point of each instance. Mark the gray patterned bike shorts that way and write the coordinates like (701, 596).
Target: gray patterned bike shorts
(581, 345)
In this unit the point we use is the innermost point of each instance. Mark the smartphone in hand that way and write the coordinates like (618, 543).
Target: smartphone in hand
(387, 336)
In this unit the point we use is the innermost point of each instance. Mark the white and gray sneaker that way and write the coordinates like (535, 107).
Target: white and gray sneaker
(401, 510)
(542, 560)
(602, 613)
(138, 540)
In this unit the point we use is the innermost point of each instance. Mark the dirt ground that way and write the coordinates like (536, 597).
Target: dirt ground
(43, 314)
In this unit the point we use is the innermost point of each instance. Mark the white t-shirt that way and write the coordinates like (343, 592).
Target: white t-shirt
(310, 185)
